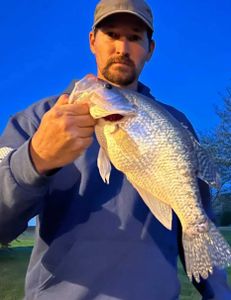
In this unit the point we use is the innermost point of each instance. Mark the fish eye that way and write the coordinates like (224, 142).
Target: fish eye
(108, 86)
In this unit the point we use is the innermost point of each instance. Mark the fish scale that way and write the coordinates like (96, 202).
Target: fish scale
(163, 162)
(144, 167)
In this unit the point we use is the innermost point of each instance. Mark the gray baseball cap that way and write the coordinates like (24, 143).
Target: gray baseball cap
(138, 8)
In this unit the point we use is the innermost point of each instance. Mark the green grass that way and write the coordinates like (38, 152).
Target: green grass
(13, 265)
(13, 269)
(188, 292)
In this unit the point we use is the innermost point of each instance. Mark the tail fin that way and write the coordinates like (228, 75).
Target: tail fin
(204, 251)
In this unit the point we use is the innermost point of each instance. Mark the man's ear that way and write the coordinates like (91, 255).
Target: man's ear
(152, 46)
(92, 41)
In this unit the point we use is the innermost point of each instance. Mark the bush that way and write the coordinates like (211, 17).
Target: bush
(4, 245)
(225, 218)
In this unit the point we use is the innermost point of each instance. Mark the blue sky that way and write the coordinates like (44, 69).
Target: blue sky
(44, 45)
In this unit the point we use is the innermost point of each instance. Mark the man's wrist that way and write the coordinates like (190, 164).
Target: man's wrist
(39, 165)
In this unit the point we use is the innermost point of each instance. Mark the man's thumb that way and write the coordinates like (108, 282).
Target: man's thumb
(63, 99)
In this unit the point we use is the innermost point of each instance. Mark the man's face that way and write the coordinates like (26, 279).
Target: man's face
(121, 48)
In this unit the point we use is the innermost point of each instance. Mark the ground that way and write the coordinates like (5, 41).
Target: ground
(13, 265)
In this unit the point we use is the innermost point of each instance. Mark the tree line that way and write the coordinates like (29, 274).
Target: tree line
(218, 142)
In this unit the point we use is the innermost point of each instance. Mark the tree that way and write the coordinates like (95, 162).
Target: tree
(4, 245)
(218, 143)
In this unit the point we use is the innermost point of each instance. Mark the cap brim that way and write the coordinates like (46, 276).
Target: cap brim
(124, 11)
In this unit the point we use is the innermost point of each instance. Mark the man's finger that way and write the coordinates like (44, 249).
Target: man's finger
(81, 108)
(85, 121)
(75, 108)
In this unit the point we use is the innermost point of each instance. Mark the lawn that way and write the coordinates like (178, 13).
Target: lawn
(13, 264)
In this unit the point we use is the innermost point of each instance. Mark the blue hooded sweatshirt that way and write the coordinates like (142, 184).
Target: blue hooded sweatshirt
(92, 240)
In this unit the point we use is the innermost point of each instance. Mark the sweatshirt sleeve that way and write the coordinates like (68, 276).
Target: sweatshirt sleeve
(22, 189)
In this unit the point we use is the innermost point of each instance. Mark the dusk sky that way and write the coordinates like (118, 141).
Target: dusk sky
(44, 45)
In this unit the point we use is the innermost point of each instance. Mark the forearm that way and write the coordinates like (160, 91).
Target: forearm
(57, 136)
(215, 287)
(22, 192)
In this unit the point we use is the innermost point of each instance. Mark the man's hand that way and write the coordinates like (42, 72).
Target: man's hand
(64, 133)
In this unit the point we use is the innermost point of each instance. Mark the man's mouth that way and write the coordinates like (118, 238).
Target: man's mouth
(126, 62)
(121, 63)
(122, 66)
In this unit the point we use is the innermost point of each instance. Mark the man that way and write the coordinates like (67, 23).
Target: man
(92, 240)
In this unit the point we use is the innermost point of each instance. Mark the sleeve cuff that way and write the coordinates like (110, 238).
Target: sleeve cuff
(23, 170)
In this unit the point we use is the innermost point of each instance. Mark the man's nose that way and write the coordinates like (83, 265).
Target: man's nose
(122, 47)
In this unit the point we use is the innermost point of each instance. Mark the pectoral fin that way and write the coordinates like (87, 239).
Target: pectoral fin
(159, 209)
(206, 169)
(104, 165)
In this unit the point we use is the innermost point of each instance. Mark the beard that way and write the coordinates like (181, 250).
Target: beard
(122, 75)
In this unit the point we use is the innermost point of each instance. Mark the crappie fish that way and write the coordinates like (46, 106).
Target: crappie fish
(162, 160)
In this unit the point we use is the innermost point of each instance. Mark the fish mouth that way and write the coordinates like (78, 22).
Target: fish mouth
(118, 116)
(113, 117)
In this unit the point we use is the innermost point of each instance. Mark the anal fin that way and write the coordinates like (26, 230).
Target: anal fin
(161, 210)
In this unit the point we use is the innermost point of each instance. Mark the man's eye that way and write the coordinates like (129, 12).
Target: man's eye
(134, 38)
(112, 35)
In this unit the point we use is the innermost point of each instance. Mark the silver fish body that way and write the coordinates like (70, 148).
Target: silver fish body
(163, 161)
